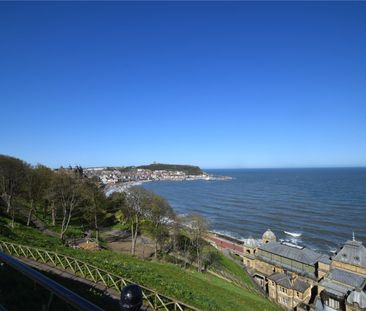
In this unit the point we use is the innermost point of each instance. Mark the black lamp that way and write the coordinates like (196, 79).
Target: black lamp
(131, 298)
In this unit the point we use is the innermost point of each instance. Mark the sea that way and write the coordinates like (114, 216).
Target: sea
(319, 208)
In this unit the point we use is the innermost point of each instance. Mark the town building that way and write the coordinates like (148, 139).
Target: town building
(285, 271)
(342, 288)
(298, 278)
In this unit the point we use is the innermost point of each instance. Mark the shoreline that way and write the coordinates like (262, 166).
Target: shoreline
(123, 186)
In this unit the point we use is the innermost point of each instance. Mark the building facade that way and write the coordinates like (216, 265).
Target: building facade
(343, 287)
(298, 278)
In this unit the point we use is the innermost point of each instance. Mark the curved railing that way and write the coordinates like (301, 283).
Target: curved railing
(87, 271)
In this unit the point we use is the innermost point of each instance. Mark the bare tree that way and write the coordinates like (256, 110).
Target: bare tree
(136, 199)
(67, 191)
(198, 226)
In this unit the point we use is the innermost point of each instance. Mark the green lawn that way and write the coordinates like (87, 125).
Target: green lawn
(202, 290)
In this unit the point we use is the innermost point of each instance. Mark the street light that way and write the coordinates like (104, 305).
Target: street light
(131, 298)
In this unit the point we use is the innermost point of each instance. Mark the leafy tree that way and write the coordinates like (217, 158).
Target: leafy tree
(47, 190)
(12, 175)
(94, 200)
(160, 214)
(115, 207)
(36, 185)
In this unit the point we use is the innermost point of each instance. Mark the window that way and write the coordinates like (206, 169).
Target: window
(283, 290)
(332, 303)
(283, 300)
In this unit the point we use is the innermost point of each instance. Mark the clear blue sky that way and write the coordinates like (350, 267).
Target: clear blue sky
(215, 84)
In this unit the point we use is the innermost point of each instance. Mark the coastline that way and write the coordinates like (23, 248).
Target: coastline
(123, 186)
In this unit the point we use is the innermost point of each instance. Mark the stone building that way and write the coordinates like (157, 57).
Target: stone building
(249, 251)
(300, 279)
(342, 288)
(287, 272)
(288, 291)
(251, 245)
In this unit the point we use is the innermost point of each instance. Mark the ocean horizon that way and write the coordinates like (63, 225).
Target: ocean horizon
(316, 207)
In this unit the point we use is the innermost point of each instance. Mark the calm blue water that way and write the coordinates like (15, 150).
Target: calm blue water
(324, 205)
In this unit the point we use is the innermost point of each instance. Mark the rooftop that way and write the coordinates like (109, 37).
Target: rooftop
(285, 281)
(346, 278)
(357, 296)
(335, 288)
(353, 253)
(294, 252)
(250, 242)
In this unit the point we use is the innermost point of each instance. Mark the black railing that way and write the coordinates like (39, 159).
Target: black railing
(55, 289)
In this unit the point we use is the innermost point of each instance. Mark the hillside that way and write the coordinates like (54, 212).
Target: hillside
(202, 290)
(188, 169)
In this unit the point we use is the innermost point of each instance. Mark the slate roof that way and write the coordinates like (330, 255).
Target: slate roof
(303, 255)
(353, 252)
(281, 279)
(325, 259)
(300, 285)
(285, 281)
(345, 277)
(335, 288)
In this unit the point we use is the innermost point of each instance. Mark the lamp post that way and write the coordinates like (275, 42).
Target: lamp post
(131, 298)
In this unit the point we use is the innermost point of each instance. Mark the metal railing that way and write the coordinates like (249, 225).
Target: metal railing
(55, 289)
(92, 273)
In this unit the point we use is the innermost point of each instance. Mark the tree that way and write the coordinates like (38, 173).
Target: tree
(136, 199)
(115, 209)
(160, 214)
(12, 175)
(68, 195)
(94, 202)
(198, 226)
(37, 182)
(47, 190)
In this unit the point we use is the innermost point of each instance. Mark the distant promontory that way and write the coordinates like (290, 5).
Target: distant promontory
(187, 169)
(118, 178)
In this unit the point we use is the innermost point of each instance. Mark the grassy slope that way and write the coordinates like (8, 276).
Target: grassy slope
(231, 267)
(201, 290)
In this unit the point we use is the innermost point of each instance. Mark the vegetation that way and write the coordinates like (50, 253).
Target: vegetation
(202, 290)
(188, 169)
(49, 209)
